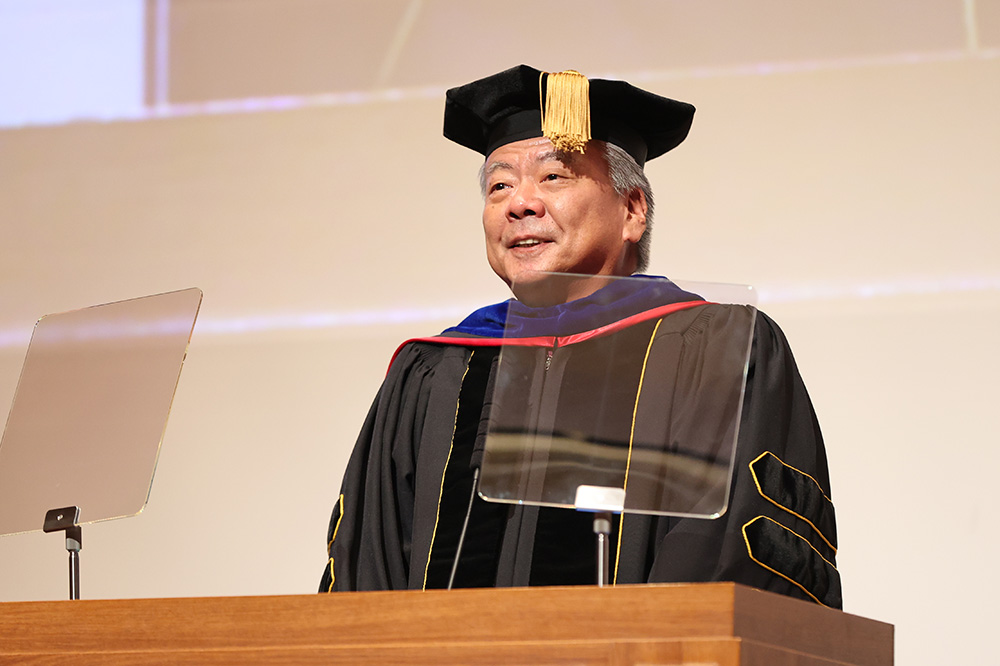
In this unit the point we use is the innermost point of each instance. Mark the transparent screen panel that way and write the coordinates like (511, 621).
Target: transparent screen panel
(628, 400)
(91, 407)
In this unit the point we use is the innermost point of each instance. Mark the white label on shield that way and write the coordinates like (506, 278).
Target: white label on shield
(600, 498)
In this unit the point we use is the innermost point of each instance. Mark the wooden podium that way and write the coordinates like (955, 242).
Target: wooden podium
(716, 623)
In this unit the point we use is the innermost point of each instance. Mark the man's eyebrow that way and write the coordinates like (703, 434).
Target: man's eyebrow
(493, 167)
(548, 156)
(552, 155)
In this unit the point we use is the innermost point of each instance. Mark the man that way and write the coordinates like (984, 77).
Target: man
(565, 193)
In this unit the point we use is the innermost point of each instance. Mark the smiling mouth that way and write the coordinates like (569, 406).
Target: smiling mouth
(528, 242)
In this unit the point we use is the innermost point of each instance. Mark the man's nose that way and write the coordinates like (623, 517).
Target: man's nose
(525, 202)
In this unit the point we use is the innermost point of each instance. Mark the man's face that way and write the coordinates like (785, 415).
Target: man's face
(557, 212)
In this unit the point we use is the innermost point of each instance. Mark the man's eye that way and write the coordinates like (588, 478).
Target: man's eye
(495, 187)
(552, 176)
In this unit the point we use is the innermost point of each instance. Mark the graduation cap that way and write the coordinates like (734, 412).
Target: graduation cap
(565, 107)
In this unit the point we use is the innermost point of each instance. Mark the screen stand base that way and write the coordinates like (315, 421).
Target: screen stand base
(65, 520)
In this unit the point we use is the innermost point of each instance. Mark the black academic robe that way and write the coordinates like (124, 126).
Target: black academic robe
(405, 492)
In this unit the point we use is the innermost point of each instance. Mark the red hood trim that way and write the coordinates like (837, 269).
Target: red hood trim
(554, 341)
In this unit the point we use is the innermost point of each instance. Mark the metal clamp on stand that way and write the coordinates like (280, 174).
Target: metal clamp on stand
(65, 520)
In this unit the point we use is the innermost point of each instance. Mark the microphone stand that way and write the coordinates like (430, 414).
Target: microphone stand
(465, 525)
(602, 528)
(476, 461)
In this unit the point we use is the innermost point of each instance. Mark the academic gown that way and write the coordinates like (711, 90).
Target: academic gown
(406, 490)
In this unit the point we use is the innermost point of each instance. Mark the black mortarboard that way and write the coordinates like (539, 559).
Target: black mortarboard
(507, 107)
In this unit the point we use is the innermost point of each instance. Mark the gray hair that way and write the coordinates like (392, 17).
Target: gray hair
(626, 177)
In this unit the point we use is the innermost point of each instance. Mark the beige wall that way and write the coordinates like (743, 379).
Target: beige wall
(843, 159)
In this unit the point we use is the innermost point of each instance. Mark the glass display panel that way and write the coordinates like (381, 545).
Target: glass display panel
(91, 407)
(628, 400)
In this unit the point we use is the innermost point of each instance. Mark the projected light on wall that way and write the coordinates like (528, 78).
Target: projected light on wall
(66, 61)
(69, 61)
(62, 61)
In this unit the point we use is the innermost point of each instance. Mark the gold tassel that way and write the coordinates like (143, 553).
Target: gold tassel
(566, 117)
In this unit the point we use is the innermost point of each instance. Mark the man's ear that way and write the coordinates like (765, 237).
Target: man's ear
(635, 216)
